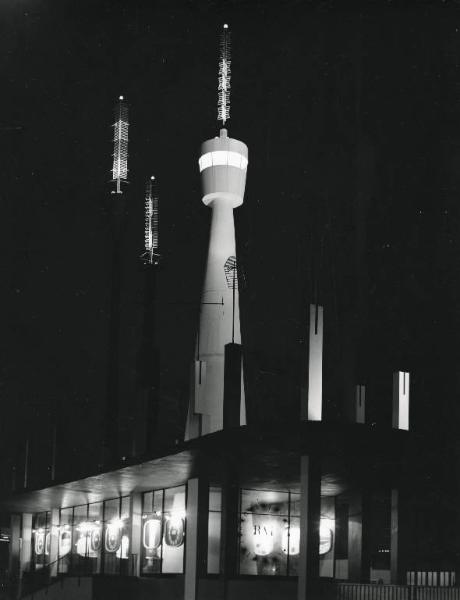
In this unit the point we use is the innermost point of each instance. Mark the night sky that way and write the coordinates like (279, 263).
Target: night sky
(351, 116)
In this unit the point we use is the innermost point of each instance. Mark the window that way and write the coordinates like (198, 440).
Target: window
(270, 532)
(222, 158)
(163, 531)
(92, 538)
(116, 538)
(41, 540)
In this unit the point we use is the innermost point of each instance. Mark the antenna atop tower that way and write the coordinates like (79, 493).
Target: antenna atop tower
(225, 62)
(151, 255)
(120, 145)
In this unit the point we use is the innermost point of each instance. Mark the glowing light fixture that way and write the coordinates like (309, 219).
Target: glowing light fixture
(263, 542)
(225, 62)
(113, 535)
(89, 542)
(175, 529)
(151, 536)
(47, 543)
(122, 551)
(65, 542)
(39, 542)
(120, 145)
(290, 540)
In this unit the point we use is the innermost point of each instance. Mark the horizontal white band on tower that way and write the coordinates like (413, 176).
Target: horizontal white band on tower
(223, 158)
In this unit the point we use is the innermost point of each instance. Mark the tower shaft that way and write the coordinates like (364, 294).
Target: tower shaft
(223, 166)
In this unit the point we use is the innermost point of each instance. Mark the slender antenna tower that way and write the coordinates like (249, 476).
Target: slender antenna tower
(151, 254)
(117, 215)
(120, 145)
(225, 71)
(149, 354)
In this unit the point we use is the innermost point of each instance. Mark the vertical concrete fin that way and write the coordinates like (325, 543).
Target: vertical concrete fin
(312, 402)
(359, 411)
(196, 535)
(310, 499)
(401, 390)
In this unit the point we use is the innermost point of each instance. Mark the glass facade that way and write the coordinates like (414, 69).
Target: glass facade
(96, 538)
(163, 531)
(91, 538)
(269, 532)
(41, 539)
(214, 530)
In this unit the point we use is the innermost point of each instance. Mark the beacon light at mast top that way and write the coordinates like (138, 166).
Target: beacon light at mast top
(225, 64)
(120, 145)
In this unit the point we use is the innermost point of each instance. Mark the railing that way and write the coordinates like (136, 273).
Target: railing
(374, 591)
(371, 591)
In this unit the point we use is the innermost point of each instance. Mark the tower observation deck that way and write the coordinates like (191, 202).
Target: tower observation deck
(223, 166)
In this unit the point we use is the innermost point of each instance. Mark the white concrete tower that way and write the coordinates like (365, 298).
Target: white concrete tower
(223, 166)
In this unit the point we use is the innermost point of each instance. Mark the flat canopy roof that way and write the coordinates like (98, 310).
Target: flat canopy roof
(167, 471)
(264, 459)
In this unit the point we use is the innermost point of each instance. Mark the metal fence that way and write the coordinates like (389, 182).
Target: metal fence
(363, 591)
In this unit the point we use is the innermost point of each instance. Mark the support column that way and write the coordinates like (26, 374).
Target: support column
(358, 537)
(310, 500)
(136, 533)
(26, 549)
(230, 528)
(196, 554)
(327, 524)
(232, 385)
(15, 547)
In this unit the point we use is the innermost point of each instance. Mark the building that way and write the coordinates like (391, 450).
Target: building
(240, 508)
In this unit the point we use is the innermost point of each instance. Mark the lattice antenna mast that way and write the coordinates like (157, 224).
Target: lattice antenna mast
(151, 254)
(225, 63)
(120, 145)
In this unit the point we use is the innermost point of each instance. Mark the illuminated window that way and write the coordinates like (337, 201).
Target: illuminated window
(115, 541)
(163, 531)
(270, 533)
(41, 540)
(95, 538)
(222, 158)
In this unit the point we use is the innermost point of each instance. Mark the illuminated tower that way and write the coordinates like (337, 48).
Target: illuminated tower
(117, 214)
(223, 165)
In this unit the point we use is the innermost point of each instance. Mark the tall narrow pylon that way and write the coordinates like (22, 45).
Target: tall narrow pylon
(120, 145)
(223, 167)
(117, 216)
(149, 355)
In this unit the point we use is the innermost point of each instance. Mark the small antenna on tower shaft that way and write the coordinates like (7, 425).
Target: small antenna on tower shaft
(225, 62)
(120, 145)
(151, 255)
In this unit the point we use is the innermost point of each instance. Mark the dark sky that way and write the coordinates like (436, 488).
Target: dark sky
(351, 118)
